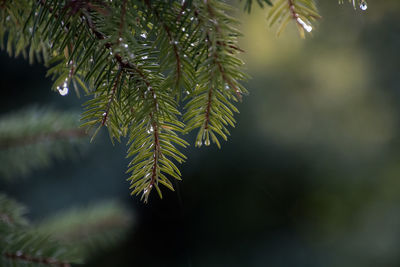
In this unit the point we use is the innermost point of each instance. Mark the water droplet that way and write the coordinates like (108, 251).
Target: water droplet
(207, 142)
(176, 42)
(18, 253)
(150, 130)
(8, 18)
(147, 189)
(111, 52)
(199, 143)
(144, 57)
(63, 91)
(120, 39)
(143, 35)
(227, 87)
(192, 44)
(305, 26)
(104, 114)
(183, 29)
(191, 18)
(363, 5)
(126, 45)
(187, 92)
(131, 55)
(30, 29)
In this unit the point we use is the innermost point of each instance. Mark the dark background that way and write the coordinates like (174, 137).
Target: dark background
(309, 177)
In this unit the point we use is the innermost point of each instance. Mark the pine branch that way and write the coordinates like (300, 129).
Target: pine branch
(89, 229)
(31, 138)
(218, 75)
(21, 257)
(137, 60)
(20, 245)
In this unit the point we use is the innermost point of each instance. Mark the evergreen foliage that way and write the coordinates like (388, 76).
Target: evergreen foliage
(141, 62)
(70, 237)
(33, 137)
(30, 139)
(89, 229)
(20, 245)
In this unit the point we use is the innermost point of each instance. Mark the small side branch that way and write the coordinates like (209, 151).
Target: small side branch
(171, 41)
(112, 97)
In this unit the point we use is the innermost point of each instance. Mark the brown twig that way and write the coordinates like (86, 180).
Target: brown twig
(122, 22)
(28, 258)
(44, 137)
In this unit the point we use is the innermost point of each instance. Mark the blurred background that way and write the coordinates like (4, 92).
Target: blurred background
(309, 177)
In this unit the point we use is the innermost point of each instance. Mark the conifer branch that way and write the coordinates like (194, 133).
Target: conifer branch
(20, 245)
(18, 256)
(12, 142)
(137, 60)
(220, 83)
(32, 138)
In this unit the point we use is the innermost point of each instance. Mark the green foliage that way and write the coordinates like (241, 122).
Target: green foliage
(90, 229)
(69, 237)
(22, 246)
(143, 63)
(29, 139)
(33, 137)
